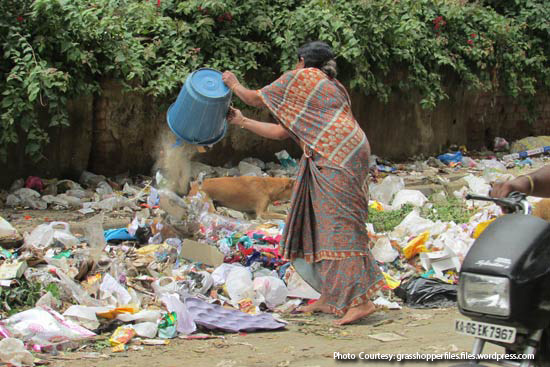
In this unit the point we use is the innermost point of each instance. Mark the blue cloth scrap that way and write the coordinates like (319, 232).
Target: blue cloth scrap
(118, 234)
(451, 157)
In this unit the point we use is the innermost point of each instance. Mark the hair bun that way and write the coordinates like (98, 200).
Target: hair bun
(329, 68)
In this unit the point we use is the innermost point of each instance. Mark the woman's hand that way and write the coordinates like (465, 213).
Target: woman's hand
(230, 79)
(235, 116)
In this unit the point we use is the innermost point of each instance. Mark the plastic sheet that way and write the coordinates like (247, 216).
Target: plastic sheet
(427, 293)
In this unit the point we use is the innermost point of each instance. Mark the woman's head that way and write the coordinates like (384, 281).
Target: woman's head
(318, 55)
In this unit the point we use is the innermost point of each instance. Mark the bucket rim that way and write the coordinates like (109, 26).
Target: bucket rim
(195, 90)
(187, 140)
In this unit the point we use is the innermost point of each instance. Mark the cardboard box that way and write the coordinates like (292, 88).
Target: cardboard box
(12, 270)
(440, 261)
(201, 252)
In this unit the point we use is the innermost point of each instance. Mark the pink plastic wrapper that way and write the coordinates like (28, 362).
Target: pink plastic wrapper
(34, 183)
(42, 327)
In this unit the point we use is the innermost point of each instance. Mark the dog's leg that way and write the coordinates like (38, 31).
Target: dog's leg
(271, 215)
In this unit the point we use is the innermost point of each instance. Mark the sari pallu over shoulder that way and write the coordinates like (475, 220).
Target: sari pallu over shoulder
(317, 110)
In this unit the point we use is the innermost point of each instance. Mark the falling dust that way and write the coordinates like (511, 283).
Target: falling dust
(174, 161)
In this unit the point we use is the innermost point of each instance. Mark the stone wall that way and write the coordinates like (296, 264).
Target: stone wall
(117, 132)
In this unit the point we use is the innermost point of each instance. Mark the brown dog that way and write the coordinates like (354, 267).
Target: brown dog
(247, 193)
(541, 209)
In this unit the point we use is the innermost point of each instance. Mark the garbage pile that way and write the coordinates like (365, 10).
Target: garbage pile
(181, 268)
(142, 284)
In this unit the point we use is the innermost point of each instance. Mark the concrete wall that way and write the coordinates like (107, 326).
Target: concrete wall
(117, 132)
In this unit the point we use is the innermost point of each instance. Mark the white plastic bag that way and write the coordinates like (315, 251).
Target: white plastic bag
(114, 292)
(165, 285)
(412, 225)
(383, 251)
(13, 352)
(413, 197)
(146, 329)
(270, 290)
(297, 286)
(239, 284)
(478, 185)
(219, 275)
(186, 324)
(44, 326)
(385, 190)
(46, 234)
(6, 229)
(85, 316)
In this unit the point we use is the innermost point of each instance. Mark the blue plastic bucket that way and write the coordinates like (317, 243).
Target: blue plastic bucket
(198, 115)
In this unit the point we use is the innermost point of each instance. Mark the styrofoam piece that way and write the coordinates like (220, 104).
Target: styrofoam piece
(214, 317)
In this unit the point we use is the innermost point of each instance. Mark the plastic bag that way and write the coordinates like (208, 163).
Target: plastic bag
(114, 292)
(73, 288)
(45, 235)
(93, 230)
(153, 198)
(469, 162)
(44, 327)
(6, 229)
(167, 327)
(90, 179)
(416, 245)
(413, 197)
(122, 335)
(113, 203)
(478, 185)
(104, 189)
(84, 316)
(298, 287)
(270, 290)
(501, 145)
(239, 284)
(13, 352)
(492, 164)
(412, 225)
(165, 285)
(383, 251)
(219, 275)
(428, 293)
(185, 323)
(146, 329)
(448, 158)
(385, 190)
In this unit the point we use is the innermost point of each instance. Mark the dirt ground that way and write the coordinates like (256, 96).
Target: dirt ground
(308, 341)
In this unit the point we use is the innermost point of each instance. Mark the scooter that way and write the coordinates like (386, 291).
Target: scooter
(504, 288)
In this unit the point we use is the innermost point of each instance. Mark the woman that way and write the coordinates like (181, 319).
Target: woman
(326, 224)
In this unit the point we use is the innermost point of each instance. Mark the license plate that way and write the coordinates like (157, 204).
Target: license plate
(486, 331)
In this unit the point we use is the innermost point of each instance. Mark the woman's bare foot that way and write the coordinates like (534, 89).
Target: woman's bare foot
(318, 306)
(356, 313)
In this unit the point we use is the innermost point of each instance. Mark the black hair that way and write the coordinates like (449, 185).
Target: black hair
(318, 54)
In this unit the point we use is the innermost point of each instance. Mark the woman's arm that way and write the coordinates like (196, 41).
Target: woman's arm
(265, 129)
(537, 185)
(248, 96)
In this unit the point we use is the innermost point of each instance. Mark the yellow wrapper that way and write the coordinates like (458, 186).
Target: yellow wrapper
(481, 227)
(390, 281)
(416, 245)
